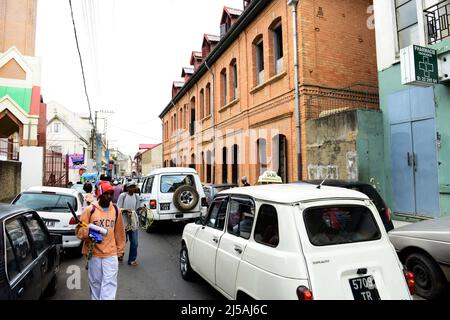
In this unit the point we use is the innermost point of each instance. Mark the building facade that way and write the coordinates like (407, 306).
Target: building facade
(148, 158)
(237, 114)
(416, 165)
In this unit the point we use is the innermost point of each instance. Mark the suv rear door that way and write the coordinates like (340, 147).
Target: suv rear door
(348, 255)
(169, 183)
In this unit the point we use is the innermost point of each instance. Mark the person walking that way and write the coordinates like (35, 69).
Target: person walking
(129, 203)
(117, 191)
(244, 181)
(103, 266)
(88, 196)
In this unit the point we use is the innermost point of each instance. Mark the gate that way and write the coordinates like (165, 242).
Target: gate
(56, 172)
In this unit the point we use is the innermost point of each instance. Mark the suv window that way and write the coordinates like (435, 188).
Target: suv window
(240, 219)
(170, 183)
(217, 214)
(341, 224)
(147, 188)
(48, 202)
(11, 263)
(266, 229)
(38, 234)
(20, 243)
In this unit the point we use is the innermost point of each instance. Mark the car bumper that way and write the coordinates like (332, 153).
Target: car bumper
(177, 217)
(69, 238)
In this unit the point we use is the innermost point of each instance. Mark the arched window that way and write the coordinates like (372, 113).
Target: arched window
(192, 124)
(202, 168)
(279, 156)
(262, 156)
(202, 104)
(234, 164)
(225, 165)
(276, 47)
(233, 79)
(223, 87)
(258, 59)
(208, 167)
(208, 99)
(192, 165)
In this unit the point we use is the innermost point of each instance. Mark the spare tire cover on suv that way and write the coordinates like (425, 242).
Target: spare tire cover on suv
(185, 198)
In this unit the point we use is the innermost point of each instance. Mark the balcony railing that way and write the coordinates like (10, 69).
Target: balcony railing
(437, 20)
(9, 150)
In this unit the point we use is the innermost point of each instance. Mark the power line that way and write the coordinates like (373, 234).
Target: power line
(82, 67)
(138, 134)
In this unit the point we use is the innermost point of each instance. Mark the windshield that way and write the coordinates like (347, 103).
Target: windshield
(46, 202)
(170, 184)
(332, 225)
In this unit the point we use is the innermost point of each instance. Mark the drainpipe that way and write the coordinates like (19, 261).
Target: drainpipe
(213, 115)
(293, 4)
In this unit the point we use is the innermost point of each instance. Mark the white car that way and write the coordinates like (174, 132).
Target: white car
(51, 205)
(173, 194)
(294, 242)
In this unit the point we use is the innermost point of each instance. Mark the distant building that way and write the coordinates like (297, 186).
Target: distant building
(148, 158)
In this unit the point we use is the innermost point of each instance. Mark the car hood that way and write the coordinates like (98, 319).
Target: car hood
(435, 229)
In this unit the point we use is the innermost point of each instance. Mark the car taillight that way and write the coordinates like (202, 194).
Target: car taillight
(303, 293)
(409, 276)
(204, 202)
(73, 221)
(152, 204)
(387, 212)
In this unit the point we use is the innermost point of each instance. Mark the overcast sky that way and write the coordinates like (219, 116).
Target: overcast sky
(132, 51)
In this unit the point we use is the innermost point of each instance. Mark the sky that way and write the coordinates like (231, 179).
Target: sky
(132, 51)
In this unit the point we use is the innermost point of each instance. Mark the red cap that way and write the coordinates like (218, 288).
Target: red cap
(104, 186)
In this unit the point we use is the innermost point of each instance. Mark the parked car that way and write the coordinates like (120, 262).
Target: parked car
(51, 205)
(294, 241)
(79, 187)
(424, 247)
(212, 189)
(367, 189)
(173, 194)
(30, 263)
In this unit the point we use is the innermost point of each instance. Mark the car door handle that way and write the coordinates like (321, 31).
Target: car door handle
(409, 159)
(238, 249)
(20, 292)
(215, 239)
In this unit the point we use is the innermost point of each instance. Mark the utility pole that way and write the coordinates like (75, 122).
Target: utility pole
(98, 137)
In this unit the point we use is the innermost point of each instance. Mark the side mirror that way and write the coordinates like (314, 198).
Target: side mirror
(56, 239)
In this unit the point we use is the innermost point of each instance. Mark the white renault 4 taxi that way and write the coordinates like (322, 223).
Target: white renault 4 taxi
(294, 242)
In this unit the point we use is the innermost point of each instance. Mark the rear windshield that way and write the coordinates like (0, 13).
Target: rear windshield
(338, 225)
(46, 202)
(171, 183)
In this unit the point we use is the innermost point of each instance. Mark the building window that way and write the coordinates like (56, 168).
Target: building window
(262, 156)
(192, 124)
(202, 104)
(175, 124)
(181, 118)
(407, 22)
(234, 79)
(192, 165)
(57, 127)
(208, 99)
(208, 167)
(225, 165)
(259, 60)
(279, 156)
(223, 87)
(278, 48)
(234, 164)
(202, 168)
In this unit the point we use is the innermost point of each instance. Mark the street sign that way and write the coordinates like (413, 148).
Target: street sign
(419, 66)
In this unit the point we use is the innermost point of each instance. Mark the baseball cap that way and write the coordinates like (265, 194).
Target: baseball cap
(131, 183)
(104, 186)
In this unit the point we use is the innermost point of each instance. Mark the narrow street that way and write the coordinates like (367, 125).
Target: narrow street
(156, 278)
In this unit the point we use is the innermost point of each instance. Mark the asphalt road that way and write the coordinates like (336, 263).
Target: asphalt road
(156, 277)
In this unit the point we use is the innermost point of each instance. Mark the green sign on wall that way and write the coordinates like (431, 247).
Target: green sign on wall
(419, 66)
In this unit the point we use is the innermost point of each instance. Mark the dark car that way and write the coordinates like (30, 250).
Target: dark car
(30, 264)
(367, 189)
(212, 189)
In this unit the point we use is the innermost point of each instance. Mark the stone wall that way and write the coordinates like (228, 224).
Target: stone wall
(10, 174)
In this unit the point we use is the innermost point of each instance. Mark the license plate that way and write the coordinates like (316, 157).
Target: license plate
(164, 206)
(50, 223)
(364, 288)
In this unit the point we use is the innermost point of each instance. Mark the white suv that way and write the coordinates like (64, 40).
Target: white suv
(173, 194)
(294, 242)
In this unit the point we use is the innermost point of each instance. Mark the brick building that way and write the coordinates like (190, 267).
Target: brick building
(236, 114)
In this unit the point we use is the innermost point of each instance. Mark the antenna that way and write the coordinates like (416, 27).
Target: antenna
(320, 185)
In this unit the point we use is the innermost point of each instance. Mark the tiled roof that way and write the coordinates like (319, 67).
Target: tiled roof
(212, 38)
(187, 70)
(178, 84)
(148, 146)
(233, 11)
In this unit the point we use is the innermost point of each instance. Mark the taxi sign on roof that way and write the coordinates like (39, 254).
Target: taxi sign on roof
(269, 177)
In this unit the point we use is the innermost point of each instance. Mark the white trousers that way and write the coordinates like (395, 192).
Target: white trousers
(102, 276)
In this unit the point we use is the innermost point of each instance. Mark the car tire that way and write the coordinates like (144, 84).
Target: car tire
(185, 266)
(430, 282)
(185, 198)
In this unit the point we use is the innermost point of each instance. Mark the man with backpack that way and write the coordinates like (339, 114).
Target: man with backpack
(103, 266)
(129, 203)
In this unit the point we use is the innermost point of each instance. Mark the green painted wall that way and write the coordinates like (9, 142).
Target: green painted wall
(390, 82)
(369, 145)
(22, 96)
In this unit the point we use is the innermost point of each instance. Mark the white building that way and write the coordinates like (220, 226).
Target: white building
(69, 133)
